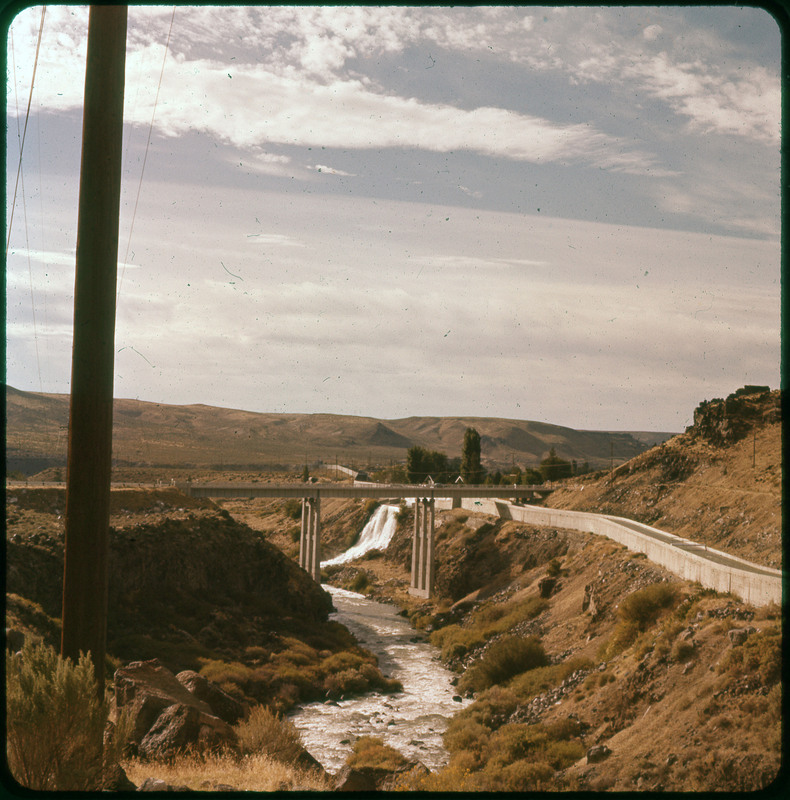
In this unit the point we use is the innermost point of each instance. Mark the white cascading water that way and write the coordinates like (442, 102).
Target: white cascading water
(376, 535)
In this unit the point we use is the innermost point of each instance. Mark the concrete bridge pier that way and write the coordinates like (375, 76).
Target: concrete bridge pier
(310, 537)
(422, 562)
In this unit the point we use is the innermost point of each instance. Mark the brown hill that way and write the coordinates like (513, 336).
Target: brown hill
(719, 483)
(159, 435)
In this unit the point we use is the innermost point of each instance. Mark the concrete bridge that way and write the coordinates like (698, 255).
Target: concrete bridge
(422, 560)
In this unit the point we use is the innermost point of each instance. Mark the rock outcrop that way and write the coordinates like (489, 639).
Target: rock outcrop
(165, 716)
(723, 422)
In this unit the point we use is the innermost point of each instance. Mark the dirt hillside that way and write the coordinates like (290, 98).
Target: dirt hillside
(677, 687)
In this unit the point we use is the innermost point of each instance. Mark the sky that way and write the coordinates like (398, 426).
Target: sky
(563, 215)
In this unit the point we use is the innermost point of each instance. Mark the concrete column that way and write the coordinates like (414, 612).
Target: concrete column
(429, 565)
(316, 566)
(423, 545)
(303, 535)
(422, 548)
(415, 547)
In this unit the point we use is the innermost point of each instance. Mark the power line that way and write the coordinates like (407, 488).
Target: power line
(24, 132)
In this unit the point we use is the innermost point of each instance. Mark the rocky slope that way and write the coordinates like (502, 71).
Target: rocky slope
(719, 483)
(648, 682)
(193, 587)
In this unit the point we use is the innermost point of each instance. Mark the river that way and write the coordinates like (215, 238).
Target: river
(411, 721)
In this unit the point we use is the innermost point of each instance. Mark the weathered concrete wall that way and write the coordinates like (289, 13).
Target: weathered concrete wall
(753, 583)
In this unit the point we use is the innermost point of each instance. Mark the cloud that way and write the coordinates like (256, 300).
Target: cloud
(332, 171)
(254, 105)
(715, 102)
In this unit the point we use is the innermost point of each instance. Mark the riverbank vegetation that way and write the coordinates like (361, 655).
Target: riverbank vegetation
(270, 758)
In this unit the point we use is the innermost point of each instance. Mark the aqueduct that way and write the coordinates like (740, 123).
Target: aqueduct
(422, 560)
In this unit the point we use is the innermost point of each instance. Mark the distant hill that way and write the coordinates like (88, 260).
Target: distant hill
(155, 434)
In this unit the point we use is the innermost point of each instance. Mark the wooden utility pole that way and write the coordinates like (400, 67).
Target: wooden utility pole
(85, 579)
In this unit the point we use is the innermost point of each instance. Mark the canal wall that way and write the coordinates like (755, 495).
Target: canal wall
(689, 560)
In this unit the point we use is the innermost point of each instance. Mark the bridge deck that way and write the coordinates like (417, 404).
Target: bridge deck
(379, 491)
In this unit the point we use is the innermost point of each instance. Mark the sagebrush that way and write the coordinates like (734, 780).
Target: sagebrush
(56, 722)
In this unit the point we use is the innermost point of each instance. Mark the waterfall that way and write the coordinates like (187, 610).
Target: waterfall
(376, 535)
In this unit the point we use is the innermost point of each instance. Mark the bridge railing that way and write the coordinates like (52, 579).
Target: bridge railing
(366, 490)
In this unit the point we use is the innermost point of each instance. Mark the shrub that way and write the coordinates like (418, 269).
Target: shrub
(524, 776)
(541, 679)
(564, 729)
(761, 653)
(641, 608)
(347, 681)
(456, 641)
(504, 659)
(371, 752)
(369, 507)
(465, 734)
(682, 651)
(358, 583)
(562, 754)
(266, 732)
(293, 508)
(514, 742)
(493, 706)
(55, 722)
(554, 568)
(636, 614)
(223, 673)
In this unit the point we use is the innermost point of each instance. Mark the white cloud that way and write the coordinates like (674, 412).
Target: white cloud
(443, 309)
(251, 105)
(332, 171)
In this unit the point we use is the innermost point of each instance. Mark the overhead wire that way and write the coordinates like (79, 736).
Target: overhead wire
(145, 155)
(24, 132)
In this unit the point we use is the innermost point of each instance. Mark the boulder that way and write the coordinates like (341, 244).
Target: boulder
(222, 705)
(116, 780)
(546, 586)
(738, 636)
(165, 716)
(598, 753)
(360, 779)
(180, 726)
(158, 785)
(375, 779)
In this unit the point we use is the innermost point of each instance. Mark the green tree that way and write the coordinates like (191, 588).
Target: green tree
(415, 464)
(305, 474)
(422, 463)
(471, 471)
(554, 468)
(532, 477)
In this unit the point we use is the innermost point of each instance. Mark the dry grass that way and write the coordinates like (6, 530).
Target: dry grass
(252, 773)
